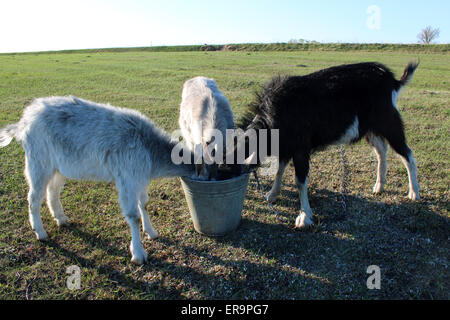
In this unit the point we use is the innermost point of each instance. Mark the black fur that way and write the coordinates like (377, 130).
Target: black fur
(315, 110)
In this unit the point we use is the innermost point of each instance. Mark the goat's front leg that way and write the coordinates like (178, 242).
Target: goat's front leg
(304, 219)
(129, 203)
(138, 254)
(146, 224)
(301, 164)
(276, 187)
(35, 197)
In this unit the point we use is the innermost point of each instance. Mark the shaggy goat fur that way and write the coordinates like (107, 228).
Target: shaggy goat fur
(338, 105)
(78, 139)
(204, 108)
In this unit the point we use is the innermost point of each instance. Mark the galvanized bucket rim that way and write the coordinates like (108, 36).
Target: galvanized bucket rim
(186, 178)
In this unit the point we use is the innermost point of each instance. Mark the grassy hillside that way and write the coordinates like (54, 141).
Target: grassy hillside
(252, 47)
(265, 258)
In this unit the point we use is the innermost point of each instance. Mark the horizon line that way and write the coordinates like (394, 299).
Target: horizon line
(306, 42)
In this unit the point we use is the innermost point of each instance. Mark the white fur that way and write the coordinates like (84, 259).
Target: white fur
(79, 139)
(411, 167)
(350, 134)
(304, 219)
(204, 109)
(380, 147)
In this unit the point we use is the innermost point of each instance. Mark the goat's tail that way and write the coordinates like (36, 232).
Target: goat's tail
(7, 134)
(408, 73)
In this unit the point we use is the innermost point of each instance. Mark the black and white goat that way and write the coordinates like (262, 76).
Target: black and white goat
(338, 105)
(74, 138)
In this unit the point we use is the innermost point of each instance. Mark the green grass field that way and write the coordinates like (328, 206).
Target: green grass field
(265, 258)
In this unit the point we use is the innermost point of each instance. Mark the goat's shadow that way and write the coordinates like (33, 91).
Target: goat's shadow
(115, 277)
(364, 232)
(330, 259)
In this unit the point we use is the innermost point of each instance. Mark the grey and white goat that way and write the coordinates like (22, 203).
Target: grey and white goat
(203, 110)
(78, 139)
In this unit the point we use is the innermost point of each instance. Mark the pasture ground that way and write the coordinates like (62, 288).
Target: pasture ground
(265, 258)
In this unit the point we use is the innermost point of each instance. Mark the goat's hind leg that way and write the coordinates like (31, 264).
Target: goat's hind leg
(54, 188)
(410, 163)
(128, 199)
(394, 134)
(380, 148)
(146, 224)
(37, 177)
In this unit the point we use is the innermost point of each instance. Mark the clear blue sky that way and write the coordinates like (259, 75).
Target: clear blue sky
(33, 25)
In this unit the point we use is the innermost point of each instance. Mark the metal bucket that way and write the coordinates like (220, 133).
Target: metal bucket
(215, 206)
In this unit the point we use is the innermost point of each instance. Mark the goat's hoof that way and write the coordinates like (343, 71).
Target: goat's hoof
(152, 234)
(378, 188)
(303, 221)
(63, 222)
(272, 198)
(139, 259)
(138, 254)
(414, 196)
(41, 236)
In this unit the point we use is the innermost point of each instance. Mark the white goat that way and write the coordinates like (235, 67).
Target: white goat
(78, 139)
(204, 109)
